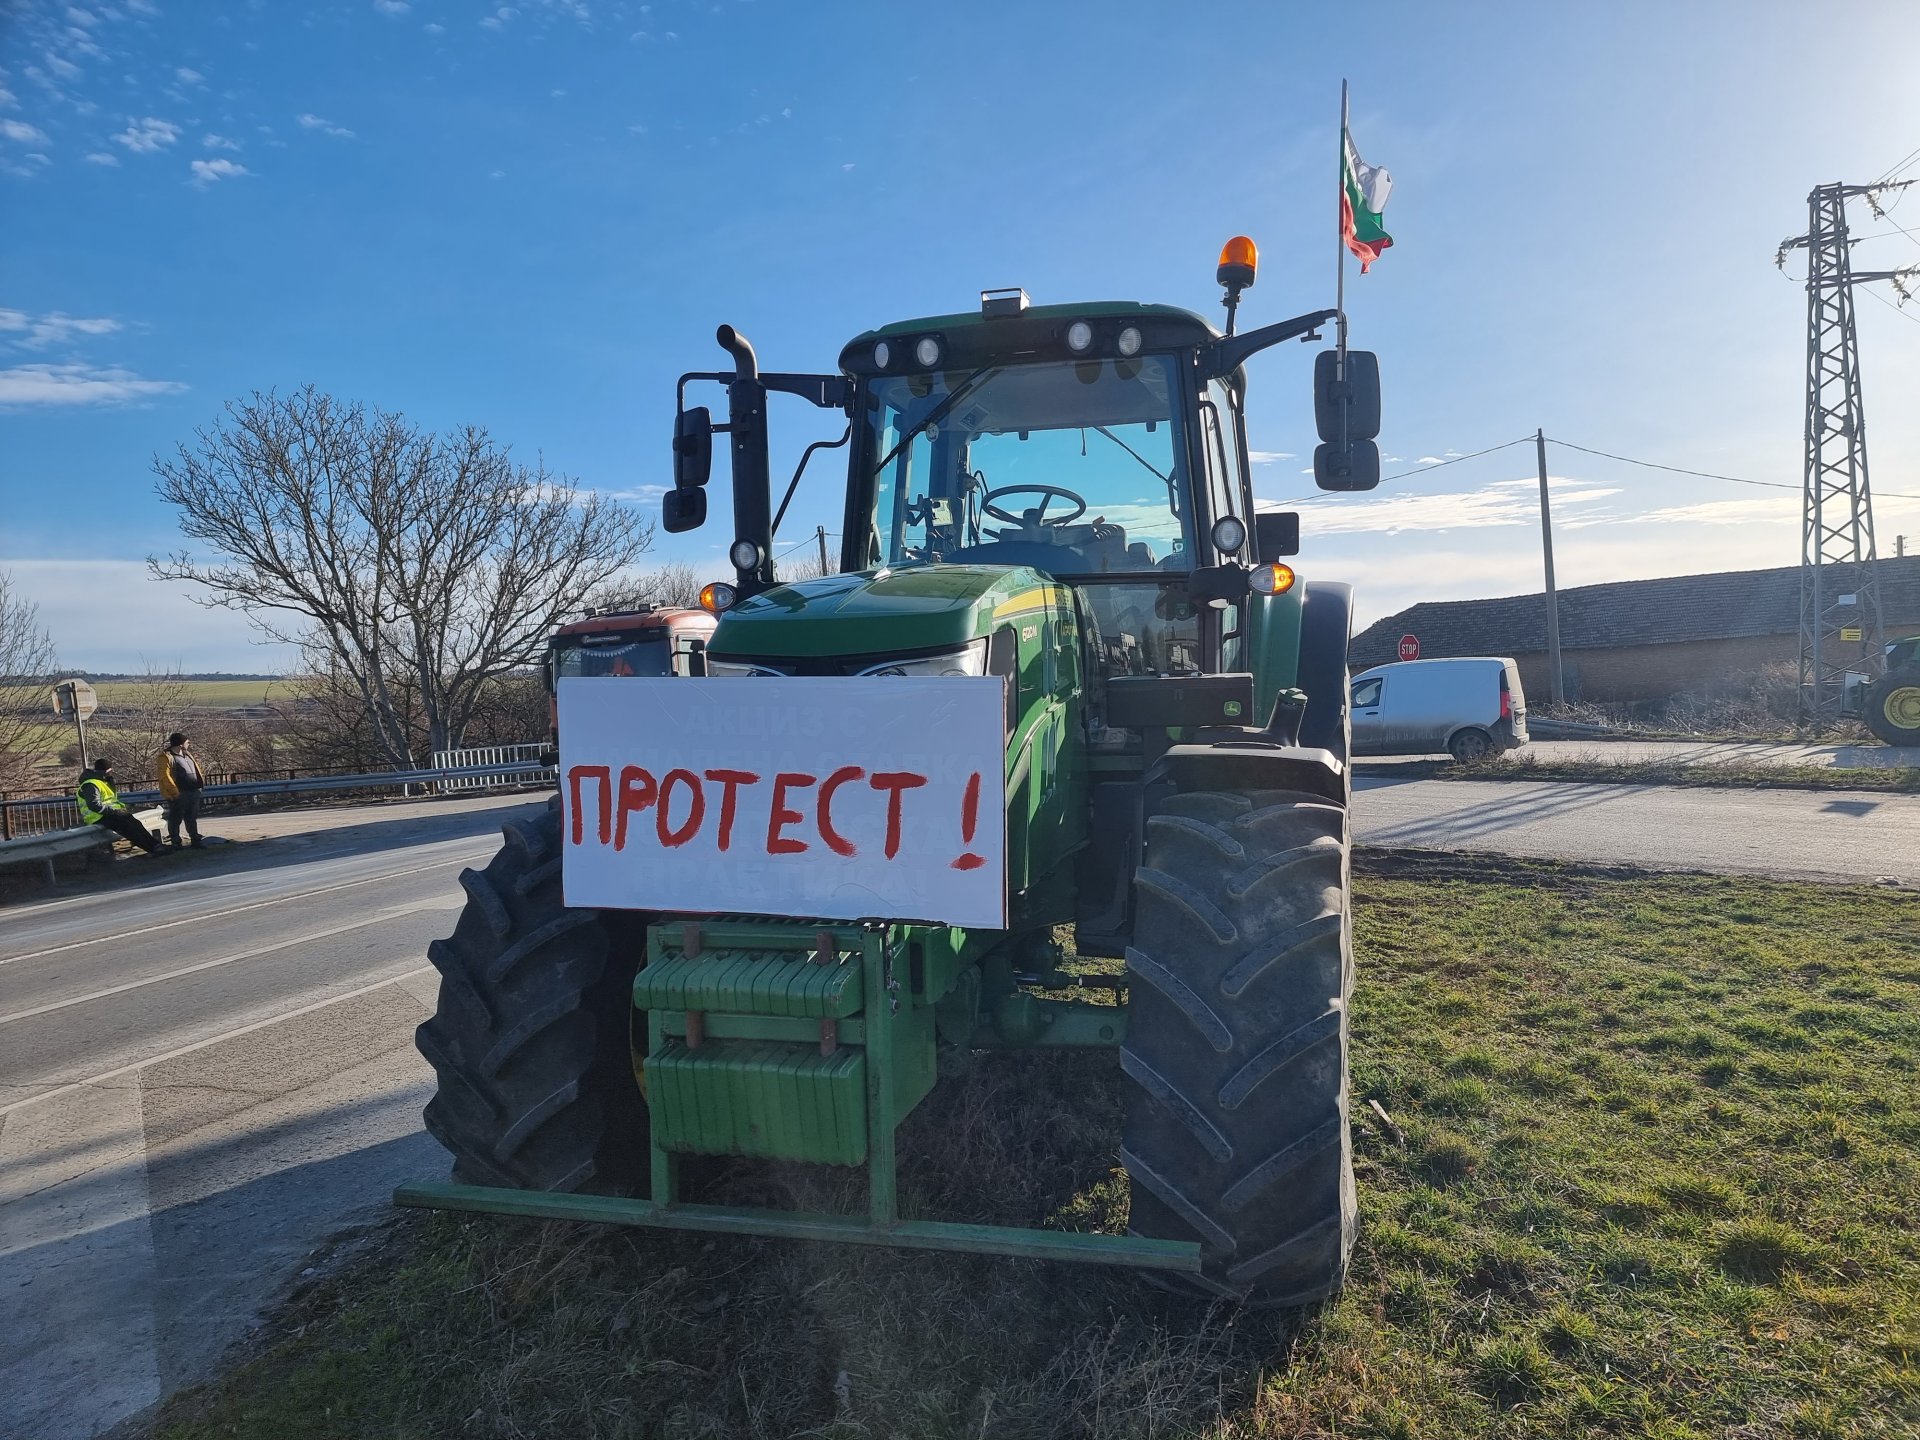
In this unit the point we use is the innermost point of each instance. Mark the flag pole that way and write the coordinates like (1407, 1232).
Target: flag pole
(1340, 242)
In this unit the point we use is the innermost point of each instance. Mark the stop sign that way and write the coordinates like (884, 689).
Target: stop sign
(1409, 647)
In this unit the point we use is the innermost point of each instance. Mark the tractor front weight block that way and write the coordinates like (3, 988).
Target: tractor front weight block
(1129, 1250)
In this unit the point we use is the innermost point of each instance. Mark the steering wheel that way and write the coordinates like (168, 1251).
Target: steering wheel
(1047, 494)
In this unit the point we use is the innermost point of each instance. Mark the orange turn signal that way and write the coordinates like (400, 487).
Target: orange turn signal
(1271, 579)
(717, 595)
(1239, 261)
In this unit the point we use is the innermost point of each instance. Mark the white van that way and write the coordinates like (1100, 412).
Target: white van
(1471, 708)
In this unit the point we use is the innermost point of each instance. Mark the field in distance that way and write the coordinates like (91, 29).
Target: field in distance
(202, 694)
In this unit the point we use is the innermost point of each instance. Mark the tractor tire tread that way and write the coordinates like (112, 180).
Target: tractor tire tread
(529, 1039)
(1237, 1132)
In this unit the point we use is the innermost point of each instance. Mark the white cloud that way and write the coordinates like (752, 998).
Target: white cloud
(218, 142)
(22, 133)
(80, 17)
(143, 137)
(188, 77)
(8, 100)
(499, 18)
(1465, 510)
(101, 157)
(392, 7)
(54, 328)
(61, 66)
(435, 29)
(65, 386)
(1429, 460)
(324, 126)
(209, 172)
(1267, 457)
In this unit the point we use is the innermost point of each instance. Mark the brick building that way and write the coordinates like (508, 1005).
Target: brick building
(1635, 639)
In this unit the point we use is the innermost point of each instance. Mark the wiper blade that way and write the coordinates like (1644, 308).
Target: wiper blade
(939, 412)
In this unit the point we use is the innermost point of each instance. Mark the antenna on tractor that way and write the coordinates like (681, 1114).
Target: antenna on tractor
(1239, 259)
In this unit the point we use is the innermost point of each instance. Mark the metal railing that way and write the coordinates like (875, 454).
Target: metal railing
(487, 755)
(38, 814)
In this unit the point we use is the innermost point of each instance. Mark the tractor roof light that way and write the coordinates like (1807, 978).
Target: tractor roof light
(927, 352)
(1079, 337)
(717, 595)
(882, 355)
(1239, 263)
(1129, 342)
(1275, 579)
(744, 554)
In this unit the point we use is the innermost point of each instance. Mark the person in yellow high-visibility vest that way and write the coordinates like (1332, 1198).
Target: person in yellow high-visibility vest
(100, 805)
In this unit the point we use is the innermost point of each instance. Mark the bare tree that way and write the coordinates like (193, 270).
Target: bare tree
(675, 583)
(26, 672)
(410, 555)
(145, 711)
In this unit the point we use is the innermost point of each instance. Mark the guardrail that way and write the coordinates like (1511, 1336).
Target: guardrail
(45, 813)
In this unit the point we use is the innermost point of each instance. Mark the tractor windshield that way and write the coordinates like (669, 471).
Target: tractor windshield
(1073, 468)
(615, 654)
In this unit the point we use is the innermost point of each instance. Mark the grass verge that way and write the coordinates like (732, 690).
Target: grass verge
(1658, 1179)
(1728, 774)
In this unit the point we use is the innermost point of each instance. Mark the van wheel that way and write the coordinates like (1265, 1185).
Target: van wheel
(1470, 746)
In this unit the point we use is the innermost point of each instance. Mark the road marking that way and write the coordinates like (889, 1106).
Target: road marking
(225, 1035)
(391, 913)
(237, 909)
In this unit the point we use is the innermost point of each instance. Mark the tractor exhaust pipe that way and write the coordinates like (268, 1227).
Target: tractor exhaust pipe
(752, 488)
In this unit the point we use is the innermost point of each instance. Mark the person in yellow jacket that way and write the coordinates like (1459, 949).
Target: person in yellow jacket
(101, 805)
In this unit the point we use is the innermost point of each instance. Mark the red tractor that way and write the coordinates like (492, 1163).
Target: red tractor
(643, 642)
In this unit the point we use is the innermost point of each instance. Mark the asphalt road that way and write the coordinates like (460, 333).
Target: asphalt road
(1833, 836)
(207, 1068)
(202, 1077)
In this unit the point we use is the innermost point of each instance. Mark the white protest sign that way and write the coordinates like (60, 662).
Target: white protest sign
(806, 796)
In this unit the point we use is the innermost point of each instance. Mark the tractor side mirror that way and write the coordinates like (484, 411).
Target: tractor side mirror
(1347, 409)
(1276, 535)
(692, 448)
(1346, 467)
(683, 510)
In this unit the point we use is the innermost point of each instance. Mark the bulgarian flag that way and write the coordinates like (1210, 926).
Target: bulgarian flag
(1363, 195)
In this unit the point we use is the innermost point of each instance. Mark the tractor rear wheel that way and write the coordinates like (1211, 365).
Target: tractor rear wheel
(530, 1042)
(1242, 967)
(1893, 707)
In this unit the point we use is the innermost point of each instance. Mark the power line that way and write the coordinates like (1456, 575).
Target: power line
(1899, 165)
(1441, 465)
(1702, 474)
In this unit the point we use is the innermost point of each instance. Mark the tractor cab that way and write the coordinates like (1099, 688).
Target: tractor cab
(642, 642)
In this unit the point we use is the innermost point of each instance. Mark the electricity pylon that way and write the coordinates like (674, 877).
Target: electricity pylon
(1840, 626)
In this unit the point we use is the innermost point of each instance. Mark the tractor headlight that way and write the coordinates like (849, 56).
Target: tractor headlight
(882, 354)
(1079, 336)
(927, 351)
(968, 660)
(1129, 342)
(744, 554)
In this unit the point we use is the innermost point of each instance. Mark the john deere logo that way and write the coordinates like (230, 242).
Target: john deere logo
(1232, 708)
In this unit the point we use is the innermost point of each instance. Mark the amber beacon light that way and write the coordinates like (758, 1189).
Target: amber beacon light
(1239, 260)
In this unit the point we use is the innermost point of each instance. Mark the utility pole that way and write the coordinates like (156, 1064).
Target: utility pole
(820, 534)
(1556, 685)
(1840, 621)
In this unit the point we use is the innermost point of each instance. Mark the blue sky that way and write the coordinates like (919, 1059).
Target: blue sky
(532, 215)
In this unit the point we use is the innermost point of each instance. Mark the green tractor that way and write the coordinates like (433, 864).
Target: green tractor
(1054, 501)
(1891, 704)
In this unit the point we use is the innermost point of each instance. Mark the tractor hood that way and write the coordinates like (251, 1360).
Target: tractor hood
(878, 612)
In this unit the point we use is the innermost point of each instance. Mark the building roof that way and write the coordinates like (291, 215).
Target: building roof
(1671, 610)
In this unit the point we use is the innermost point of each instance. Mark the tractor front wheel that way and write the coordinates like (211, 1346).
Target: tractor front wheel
(1893, 707)
(530, 1041)
(1236, 1132)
